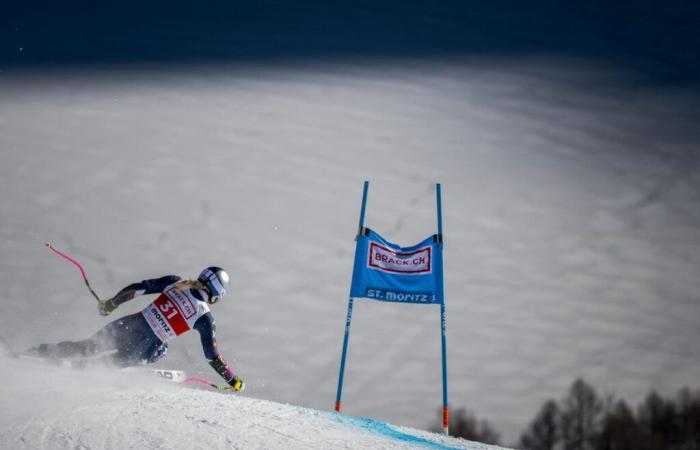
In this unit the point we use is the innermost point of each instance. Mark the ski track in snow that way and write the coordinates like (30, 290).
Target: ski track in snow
(571, 224)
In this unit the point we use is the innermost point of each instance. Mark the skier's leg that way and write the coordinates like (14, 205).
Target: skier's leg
(140, 346)
(156, 352)
(146, 352)
(99, 342)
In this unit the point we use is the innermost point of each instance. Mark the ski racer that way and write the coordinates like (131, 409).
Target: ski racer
(143, 337)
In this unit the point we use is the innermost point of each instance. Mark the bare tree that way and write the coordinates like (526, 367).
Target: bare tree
(658, 416)
(689, 418)
(544, 432)
(584, 421)
(580, 422)
(621, 431)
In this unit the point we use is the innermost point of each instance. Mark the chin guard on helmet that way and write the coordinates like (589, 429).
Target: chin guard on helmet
(216, 281)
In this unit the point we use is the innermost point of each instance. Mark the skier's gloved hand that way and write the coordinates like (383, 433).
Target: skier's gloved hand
(237, 385)
(105, 307)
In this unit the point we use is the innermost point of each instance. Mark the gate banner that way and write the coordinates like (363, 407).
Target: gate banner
(387, 272)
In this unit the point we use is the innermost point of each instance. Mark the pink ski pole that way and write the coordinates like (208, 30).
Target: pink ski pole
(77, 264)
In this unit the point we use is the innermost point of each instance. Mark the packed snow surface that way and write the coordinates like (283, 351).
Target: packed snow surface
(102, 409)
(571, 216)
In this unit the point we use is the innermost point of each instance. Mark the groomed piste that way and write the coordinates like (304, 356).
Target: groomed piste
(100, 408)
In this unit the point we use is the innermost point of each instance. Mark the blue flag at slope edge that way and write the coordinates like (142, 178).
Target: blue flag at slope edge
(387, 272)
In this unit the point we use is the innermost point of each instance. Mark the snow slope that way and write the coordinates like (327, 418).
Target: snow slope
(101, 409)
(571, 199)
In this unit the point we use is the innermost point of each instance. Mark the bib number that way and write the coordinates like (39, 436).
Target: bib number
(171, 313)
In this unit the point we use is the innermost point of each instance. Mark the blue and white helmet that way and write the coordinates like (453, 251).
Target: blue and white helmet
(216, 280)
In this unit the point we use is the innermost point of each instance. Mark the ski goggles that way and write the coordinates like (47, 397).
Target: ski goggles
(216, 285)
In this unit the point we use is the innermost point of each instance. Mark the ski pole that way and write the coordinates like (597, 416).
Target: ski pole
(77, 264)
(205, 382)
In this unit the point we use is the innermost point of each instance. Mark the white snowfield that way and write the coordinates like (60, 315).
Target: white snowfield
(98, 408)
(571, 197)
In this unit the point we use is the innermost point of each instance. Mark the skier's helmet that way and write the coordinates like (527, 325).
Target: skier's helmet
(216, 281)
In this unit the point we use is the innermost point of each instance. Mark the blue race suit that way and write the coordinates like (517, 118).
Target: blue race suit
(140, 338)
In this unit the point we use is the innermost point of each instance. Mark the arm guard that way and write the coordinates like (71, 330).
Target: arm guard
(223, 369)
(123, 296)
(151, 286)
(207, 331)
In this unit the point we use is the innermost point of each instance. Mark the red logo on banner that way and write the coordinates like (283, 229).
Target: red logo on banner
(388, 260)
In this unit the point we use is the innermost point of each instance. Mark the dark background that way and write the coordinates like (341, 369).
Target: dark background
(658, 41)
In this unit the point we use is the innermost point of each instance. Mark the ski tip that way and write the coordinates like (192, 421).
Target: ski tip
(48, 244)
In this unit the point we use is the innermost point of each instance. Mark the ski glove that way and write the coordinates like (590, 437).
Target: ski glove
(237, 385)
(105, 307)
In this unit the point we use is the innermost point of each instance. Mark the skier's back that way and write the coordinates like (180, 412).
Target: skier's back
(143, 337)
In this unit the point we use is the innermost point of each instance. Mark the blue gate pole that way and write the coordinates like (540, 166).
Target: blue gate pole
(348, 318)
(443, 321)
